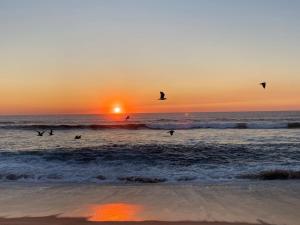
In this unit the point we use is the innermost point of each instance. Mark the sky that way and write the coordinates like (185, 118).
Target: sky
(72, 56)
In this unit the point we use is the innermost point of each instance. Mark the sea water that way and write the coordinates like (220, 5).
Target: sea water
(206, 147)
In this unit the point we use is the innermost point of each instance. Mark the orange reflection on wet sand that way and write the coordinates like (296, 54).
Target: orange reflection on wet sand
(115, 212)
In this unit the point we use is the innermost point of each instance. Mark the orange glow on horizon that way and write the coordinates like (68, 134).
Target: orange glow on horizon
(250, 97)
(115, 212)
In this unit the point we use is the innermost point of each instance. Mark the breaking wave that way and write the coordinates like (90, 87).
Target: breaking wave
(152, 163)
(273, 175)
(160, 126)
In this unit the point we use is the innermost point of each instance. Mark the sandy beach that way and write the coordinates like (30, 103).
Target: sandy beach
(269, 202)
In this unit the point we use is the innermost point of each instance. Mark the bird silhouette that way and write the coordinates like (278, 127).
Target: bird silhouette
(77, 137)
(162, 96)
(171, 132)
(40, 133)
(127, 118)
(51, 132)
(263, 84)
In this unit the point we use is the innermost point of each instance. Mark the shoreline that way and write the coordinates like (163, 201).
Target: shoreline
(242, 182)
(54, 220)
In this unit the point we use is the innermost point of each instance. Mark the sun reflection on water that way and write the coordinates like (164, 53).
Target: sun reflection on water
(115, 212)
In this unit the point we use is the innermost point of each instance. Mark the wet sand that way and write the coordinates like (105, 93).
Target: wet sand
(53, 220)
(271, 202)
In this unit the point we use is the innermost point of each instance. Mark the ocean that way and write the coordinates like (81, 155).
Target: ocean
(205, 148)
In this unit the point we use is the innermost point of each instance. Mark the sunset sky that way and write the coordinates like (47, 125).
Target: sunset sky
(72, 56)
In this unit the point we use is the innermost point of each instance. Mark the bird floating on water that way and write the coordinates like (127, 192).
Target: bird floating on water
(263, 84)
(127, 118)
(162, 96)
(171, 132)
(40, 133)
(77, 137)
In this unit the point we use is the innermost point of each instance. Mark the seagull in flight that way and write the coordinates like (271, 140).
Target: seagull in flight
(51, 132)
(40, 133)
(162, 96)
(171, 132)
(263, 84)
(77, 137)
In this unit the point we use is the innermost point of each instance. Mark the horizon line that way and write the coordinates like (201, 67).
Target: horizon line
(77, 114)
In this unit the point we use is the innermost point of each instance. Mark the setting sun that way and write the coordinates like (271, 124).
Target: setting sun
(117, 109)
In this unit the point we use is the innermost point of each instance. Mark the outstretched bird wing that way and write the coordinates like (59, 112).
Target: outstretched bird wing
(263, 84)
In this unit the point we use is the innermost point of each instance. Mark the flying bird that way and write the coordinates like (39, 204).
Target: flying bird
(40, 133)
(51, 132)
(77, 137)
(162, 96)
(171, 132)
(127, 118)
(263, 84)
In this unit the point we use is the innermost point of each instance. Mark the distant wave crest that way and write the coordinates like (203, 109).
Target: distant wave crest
(158, 126)
(79, 126)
